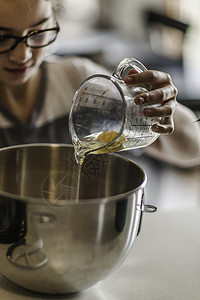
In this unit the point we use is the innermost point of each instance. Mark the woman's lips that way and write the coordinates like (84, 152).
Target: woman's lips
(17, 71)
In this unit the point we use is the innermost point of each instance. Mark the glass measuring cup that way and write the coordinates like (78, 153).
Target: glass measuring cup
(104, 117)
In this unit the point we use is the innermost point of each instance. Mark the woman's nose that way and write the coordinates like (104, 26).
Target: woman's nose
(21, 54)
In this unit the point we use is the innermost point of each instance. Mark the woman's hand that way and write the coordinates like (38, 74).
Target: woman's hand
(162, 91)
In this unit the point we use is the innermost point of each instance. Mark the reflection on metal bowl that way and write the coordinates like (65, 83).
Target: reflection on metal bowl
(55, 240)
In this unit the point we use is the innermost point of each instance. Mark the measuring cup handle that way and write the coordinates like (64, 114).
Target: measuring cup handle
(126, 63)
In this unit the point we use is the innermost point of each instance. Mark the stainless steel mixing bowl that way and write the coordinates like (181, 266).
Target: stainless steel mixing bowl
(53, 240)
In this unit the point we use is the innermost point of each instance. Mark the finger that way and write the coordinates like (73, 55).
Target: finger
(165, 110)
(158, 95)
(154, 78)
(132, 71)
(167, 126)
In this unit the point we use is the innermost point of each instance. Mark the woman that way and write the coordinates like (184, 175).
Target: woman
(36, 93)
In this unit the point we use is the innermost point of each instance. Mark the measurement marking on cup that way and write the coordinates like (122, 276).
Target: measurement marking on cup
(97, 96)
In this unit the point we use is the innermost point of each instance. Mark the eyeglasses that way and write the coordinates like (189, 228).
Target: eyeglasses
(35, 39)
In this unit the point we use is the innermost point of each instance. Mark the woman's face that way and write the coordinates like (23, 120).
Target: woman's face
(18, 18)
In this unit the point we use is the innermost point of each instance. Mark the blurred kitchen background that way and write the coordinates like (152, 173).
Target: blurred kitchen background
(164, 35)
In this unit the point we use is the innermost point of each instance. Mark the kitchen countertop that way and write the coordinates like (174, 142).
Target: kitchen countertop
(163, 264)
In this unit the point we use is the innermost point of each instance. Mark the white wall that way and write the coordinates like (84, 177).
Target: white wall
(127, 15)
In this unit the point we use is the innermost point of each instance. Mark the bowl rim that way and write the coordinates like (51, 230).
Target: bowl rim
(62, 203)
